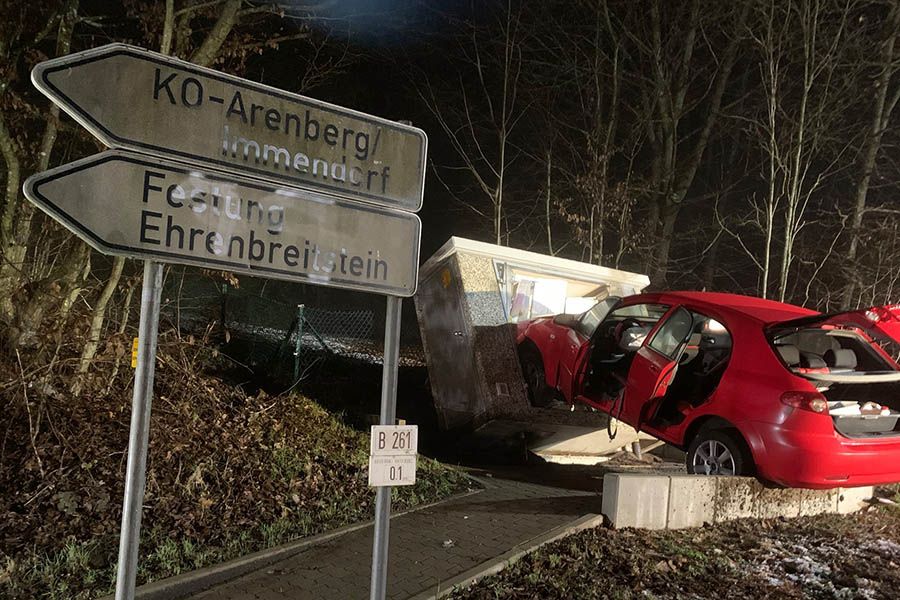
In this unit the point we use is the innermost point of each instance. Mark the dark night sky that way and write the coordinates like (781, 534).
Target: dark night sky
(388, 36)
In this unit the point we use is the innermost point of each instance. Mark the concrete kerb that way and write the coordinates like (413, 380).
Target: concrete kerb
(498, 563)
(194, 582)
(650, 501)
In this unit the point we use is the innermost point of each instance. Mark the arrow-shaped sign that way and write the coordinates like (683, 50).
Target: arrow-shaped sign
(139, 100)
(132, 205)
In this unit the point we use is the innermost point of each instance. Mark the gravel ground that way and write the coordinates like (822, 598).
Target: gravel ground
(826, 557)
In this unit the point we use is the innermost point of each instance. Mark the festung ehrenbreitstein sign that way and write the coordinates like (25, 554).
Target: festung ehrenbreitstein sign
(140, 100)
(131, 205)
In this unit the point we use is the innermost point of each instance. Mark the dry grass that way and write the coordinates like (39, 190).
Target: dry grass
(228, 473)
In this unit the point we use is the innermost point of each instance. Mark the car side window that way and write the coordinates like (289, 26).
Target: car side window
(646, 313)
(673, 333)
(588, 322)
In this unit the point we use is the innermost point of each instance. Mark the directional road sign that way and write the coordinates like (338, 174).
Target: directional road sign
(139, 100)
(132, 205)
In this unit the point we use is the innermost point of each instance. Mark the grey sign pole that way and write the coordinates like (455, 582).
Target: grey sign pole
(139, 434)
(388, 417)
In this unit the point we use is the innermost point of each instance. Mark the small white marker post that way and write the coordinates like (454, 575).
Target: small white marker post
(392, 455)
(392, 459)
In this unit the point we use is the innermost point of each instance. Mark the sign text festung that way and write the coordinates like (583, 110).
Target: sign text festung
(130, 205)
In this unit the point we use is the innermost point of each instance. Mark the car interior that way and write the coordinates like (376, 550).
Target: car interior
(858, 409)
(615, 342)
(702, 364)
(832, 350)
(702, 349)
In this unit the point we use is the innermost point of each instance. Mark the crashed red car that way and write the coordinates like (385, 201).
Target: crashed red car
(744, 385)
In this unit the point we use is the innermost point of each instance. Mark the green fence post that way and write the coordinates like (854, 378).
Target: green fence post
(299, 342)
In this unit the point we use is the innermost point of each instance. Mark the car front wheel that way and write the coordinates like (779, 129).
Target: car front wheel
(535, 379)
(718, 452)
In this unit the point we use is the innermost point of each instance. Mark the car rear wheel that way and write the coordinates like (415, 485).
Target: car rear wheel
(718, 452)
(535, 379)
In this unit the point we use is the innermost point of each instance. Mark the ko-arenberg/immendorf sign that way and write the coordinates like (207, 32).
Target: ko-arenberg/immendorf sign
(127, 204)
(139, 100)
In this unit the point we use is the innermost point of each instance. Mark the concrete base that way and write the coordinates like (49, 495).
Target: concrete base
(553, 442)
(568, 444)
(679, 501)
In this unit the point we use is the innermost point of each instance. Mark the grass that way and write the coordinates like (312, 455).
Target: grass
(828, 556)
(57, 576)
(86, 569)
(225, 478)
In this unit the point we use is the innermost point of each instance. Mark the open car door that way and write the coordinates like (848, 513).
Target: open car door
(586, 324)
(654, 367)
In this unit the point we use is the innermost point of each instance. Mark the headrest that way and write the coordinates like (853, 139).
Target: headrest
(811, 360)
(790, 354)
(841, 359)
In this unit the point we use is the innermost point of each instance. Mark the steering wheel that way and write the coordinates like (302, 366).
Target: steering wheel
(625, 325)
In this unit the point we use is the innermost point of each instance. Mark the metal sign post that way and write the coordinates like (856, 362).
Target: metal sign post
(388, 417)
(139, 434)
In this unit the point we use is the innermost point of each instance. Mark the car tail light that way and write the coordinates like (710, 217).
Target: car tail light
(811, 401)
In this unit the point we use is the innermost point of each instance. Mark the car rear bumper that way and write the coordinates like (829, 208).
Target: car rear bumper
(811, 460)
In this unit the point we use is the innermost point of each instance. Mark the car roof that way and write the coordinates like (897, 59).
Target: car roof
(758, 309)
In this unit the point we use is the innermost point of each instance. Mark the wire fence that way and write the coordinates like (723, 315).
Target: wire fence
(287, 331)
(292, 340)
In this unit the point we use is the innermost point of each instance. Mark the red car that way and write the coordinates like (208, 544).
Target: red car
(744, 385)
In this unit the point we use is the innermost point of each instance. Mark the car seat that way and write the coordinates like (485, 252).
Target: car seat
(790, 354)
(715, 347)
(716, 351)
(843, 359)
(811, 360)
(692, 349)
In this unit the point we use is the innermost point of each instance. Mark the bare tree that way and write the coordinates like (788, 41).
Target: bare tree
(678, 71)
(884, 100)
(478, 107)
(802, 131)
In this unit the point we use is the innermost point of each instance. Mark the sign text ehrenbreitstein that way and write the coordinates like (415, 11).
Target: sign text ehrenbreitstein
(128, 204)
(135, 99)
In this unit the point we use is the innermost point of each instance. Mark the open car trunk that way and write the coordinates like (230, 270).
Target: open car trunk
(852, 359)
(863, 409)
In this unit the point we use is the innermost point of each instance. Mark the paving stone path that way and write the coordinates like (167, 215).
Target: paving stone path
(427, 547)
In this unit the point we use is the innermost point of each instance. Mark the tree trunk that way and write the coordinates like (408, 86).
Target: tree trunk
(881, 116)
(207, 52)
(98, 318)
(679, 180)
(9, 280)
(73, 285)
(547, 205)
